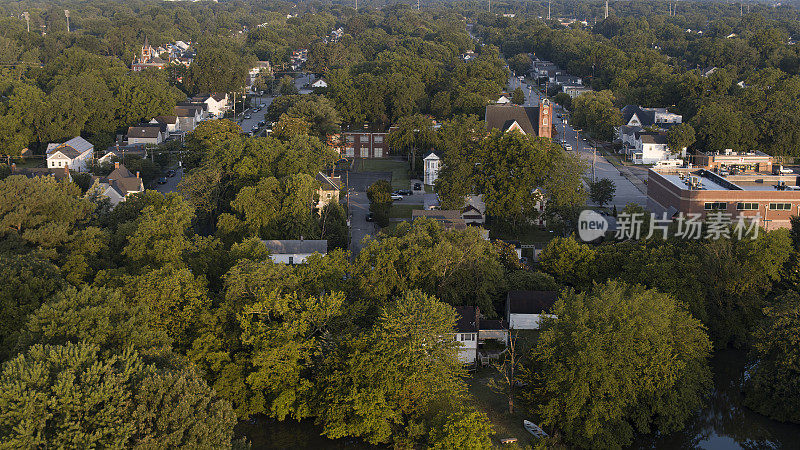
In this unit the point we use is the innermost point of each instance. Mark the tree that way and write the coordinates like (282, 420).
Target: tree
(563, 99)
(413, 136)
(508, 367)
(640, 348)
(286, 86)
(569, 261)
(70, 395)
(602, 191)
(333, 224)
(680, 137)
(520, 63)
(217, 69)
(161, 234)
(518, 97)
(595, 112)
(380, 198)
(773, 388)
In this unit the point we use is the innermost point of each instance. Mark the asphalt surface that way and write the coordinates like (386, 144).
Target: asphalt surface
(255, 117)
(359, 227)
(172, 182)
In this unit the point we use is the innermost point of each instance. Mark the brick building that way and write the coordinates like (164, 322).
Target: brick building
(529, 120)
(367, 142)
(774, 198)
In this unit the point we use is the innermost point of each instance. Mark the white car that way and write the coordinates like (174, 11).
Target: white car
(567, 147)
(397, 197)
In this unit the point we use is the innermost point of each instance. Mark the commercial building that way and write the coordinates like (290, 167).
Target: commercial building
(774, 199)
(734, 162)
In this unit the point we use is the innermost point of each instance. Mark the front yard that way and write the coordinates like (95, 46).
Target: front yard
(399, 169)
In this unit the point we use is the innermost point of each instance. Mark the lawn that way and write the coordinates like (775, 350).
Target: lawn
(402, 211)
(495, 406)
(528, 235)
(399, 170)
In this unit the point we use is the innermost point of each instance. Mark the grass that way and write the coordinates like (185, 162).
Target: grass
(528, 235)
(399, 169)
(402, 211)
(495, 406)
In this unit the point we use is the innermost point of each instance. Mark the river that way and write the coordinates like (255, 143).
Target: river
(723, 424)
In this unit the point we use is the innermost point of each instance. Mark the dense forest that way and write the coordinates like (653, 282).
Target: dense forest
(163, 322)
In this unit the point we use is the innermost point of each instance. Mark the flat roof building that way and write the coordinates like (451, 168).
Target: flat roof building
(773, 198)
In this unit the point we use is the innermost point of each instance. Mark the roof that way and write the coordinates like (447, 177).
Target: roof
(466, 319)
(495, 324)
(187, 111)
(648, 138)
(119, 173)
(148, 131)
(166, 120)
(60, 173)
(122, 180)
(530, 302)
(289, 246)
(646, 118)
(501, 117)
(432, 155)
(329, 182)
(449, 218)
(78, 145)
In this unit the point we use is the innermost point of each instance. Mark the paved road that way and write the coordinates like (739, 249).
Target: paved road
(172, 182)
(359, 227)
(255, 117)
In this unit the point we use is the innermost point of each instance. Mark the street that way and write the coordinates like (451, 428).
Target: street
(255, 117)
(172, 182)
(359, 227)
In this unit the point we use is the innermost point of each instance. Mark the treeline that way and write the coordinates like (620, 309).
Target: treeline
(646, 57)
(398, 62)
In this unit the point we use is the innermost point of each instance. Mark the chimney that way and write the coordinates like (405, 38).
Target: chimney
(116, 164)
(137, 174)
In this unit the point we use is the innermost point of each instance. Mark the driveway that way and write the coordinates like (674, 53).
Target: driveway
(172, 182)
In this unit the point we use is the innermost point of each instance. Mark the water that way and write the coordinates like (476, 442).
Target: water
(723, 424)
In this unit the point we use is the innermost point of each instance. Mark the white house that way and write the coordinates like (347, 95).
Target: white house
(147, 134)
(432, 164)
(467, 334)
(188, 117)
(636, 116)
(650, 148)
(75, 154)
(216, 103)
(524, 309)
(169, 124)
(503, 100)
(319, 84)
(295, 251)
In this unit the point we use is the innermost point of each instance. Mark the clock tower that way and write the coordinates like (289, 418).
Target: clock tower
(546, 119)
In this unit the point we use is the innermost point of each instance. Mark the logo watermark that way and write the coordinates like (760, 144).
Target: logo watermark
(635, 226)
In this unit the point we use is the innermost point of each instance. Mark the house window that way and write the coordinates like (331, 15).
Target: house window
(364, 152)
(379, 139)
(746, 206)
(715, 206)
(291, 260)
(363, 138)
(780, 206)
(379, 153)
(349, 151)
(351, 138)
(59, 164)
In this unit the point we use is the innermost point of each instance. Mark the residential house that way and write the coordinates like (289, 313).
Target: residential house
(466, 334)
(59, 173)
(76, 153)
(147, 134)
(474, 211)
(450, 219)
(319, 84)
(432, 163)
(651, 147)
(529, 120)
(469, 55)
(118, 185)
(365, 143)
(169, 124)
(328, 190)
(295, 251)
(262, 68)
(503, 100)
(147, 58)
(216, 104)
(525, 309)
(568, 80)
(188, 117)
(636, 116)
(575, 90)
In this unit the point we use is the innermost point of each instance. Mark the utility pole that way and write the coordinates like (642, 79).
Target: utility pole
(606, 9)
(417, 5)
(548, 9)
(66, 13)
(27, 20)
(356, 5)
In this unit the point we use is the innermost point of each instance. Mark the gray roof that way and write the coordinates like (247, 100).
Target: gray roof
(648, 138)
(530, 302)
(72, 148)
(501, 117)
(450, 219)
(466, 319)
(149, 131)
(166, 119)
(187, 111)
(292, 246)
(329, 183)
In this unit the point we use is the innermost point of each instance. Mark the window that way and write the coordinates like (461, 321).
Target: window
(351, 138)
(379, 153)
(746, 206)
(715, 205)
(59, 164)
(780, 206)
(349, 152)
(379, 139)
(363, 138)
(364, 152)
(329, 195)
(544, 121)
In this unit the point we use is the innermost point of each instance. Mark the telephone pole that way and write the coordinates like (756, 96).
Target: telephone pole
(548, 9)
(66, 13)
(27, 20)
(606, 9)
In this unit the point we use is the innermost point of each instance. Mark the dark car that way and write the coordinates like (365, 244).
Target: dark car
(369, 217)
(418, 186)
(162, 180)
(262, 123)
(170, 173)
(405, 192)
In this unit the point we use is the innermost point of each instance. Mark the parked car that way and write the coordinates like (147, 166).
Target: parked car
(247, 116)
(262, 123)
(418, 186)
(255, 127)
(170, 173)
(405, 192)
(397, 197)
(567, 147)
(162, 180)
(370, 218)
